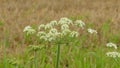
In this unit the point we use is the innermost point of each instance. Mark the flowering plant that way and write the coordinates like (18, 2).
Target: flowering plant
(59, 32)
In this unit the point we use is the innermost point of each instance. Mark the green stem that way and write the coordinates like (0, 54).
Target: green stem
(58, 55)
(35, 59)
(5, 46)
(5, 57)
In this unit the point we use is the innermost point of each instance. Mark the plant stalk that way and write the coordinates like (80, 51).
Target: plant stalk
(35, 59)
(58, 55)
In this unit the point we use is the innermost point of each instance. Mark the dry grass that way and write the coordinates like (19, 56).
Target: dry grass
(16, 14)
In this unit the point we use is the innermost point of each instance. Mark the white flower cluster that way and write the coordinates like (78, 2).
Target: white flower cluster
(48, 26)
(80, 23)
(64, 27)
(53, 23)
(65, 32)
(51, 31)
(113, 54)
(111, 45)
(29, 30)
(42, 26)
(91, 31)
(51, 35)
(42, 35)
(74, 34)
(65, 20)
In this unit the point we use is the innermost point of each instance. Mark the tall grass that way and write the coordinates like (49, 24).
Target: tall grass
(72, 53)
(5, 47)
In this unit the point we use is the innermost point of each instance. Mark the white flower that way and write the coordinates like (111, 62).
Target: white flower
(53, 23)
(50, 37)
(74, 34)
(41, 33)
(29, 30)
(113, 54)
(80, 23)
(64, 26)
(65, 21)
(92, 31)
(48, 26)
(111, 45)
(43, 38)
(65, 32)
(53, 30)
(41, 26)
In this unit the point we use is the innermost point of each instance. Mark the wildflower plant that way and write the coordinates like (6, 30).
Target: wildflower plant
(57, 32)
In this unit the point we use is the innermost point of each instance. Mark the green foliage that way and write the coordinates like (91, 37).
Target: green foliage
(73, 55)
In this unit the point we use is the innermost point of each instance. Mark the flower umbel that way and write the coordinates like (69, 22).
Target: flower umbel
(91, 31)
(111, 45)
(80, 23)
(41, 26)
(74, 34)
(65, 20)
(53, 23)
(64, 26)
(48, 26)
(113, 54)
(29, 30)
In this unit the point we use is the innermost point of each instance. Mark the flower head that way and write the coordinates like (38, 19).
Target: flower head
(41, 33)
(91, 31)
(29, 30)
(111, 45)
(41, 26)
(65, 21)
(80, 23)
(113, 54)
(65, 32)
(53, 23)
(74, 34)
(50, 36)
(64, 26)
(48, 26)
(53, 30)
(43, 38)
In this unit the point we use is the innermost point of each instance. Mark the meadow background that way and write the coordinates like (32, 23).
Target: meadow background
(102, 15)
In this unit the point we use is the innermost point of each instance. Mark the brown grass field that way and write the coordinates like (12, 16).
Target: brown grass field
(16, 14)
